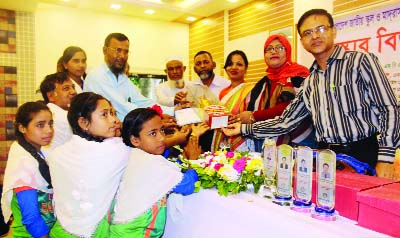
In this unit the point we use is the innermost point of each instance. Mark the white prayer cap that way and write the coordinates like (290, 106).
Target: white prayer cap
(173, 57)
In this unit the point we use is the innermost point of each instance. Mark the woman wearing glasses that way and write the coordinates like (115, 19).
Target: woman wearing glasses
(73, 62)
(276, 89)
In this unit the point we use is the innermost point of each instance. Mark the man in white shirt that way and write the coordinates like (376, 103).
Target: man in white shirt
(57, 91)
(173, 91)
(179, 91)
(204, 66)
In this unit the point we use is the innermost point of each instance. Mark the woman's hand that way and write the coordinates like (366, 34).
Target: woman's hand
(232, 129)
(246, 117)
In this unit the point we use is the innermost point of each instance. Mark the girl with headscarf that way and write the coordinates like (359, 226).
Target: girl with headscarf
(273, 92)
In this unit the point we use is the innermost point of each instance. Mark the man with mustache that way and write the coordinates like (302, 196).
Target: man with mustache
(204, 66)
(348, 95)
(57, 91)
(110, 81)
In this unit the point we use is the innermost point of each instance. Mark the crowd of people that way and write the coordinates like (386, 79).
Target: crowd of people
(96, 148)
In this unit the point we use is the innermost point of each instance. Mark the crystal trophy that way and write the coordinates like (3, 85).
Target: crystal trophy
(302, 191)
(284, 176)
(326, 177)
(269, 161)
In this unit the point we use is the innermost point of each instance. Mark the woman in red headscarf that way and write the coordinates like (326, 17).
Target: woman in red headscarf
(273, 92)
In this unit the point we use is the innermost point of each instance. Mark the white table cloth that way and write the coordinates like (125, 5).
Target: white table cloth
(248, 215)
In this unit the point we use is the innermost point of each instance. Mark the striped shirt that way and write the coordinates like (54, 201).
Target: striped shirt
(349, 101)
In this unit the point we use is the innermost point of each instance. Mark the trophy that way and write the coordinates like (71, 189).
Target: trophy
(302, 191)
(269, 161)
(284, 176)
(326, 177)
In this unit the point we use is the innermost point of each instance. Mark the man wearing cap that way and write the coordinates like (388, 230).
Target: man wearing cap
(178, 91)
(173, 91)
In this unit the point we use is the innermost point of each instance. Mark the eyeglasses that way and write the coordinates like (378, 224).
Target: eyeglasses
(119, 50)
(278, 48)
(319, 30)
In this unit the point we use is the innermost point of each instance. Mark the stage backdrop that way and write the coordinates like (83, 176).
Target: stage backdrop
(376, 31)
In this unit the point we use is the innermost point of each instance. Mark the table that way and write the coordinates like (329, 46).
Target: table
(207, 215)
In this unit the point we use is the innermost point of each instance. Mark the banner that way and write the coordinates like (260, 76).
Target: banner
(376, 31)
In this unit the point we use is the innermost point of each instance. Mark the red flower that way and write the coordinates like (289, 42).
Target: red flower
(157, 108)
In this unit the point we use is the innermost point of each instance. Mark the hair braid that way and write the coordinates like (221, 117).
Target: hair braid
(43, 166)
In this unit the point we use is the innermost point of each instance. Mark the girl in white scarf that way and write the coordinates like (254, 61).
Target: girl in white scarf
(27, 191)
(86, 170)
(140, 207)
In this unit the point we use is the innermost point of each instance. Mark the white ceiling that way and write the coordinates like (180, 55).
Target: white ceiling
(165, 10)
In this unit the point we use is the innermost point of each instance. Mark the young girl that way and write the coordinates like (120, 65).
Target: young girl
(140, 207)
(87, 169)
(73, 62)
(27, 192)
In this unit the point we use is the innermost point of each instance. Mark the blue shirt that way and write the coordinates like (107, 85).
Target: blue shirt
(121, 92)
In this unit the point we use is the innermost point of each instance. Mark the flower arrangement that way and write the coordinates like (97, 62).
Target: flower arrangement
(229, 172)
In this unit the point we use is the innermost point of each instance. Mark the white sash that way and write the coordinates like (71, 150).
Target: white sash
(146, 180)
(22, 170)
(85, 176)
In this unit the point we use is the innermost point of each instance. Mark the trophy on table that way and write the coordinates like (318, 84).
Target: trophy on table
(284, 175)
(302, 191)
(269, 161)
(326, 177)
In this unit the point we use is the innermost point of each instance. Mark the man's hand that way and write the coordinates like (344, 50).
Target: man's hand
(168, 122)
(192, 150)
(232, 129)
(183, 106)
(384, 170)
(181, 135)
(233, 118)
(180, 98)
(199, 128)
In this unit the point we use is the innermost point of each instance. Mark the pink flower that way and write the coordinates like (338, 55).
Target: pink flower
(230, 154)
(218, 166)
(239, 165)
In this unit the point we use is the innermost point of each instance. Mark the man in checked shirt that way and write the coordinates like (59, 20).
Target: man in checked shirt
(348, 95)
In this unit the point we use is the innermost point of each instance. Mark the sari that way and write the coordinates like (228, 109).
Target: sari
(235, 102)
